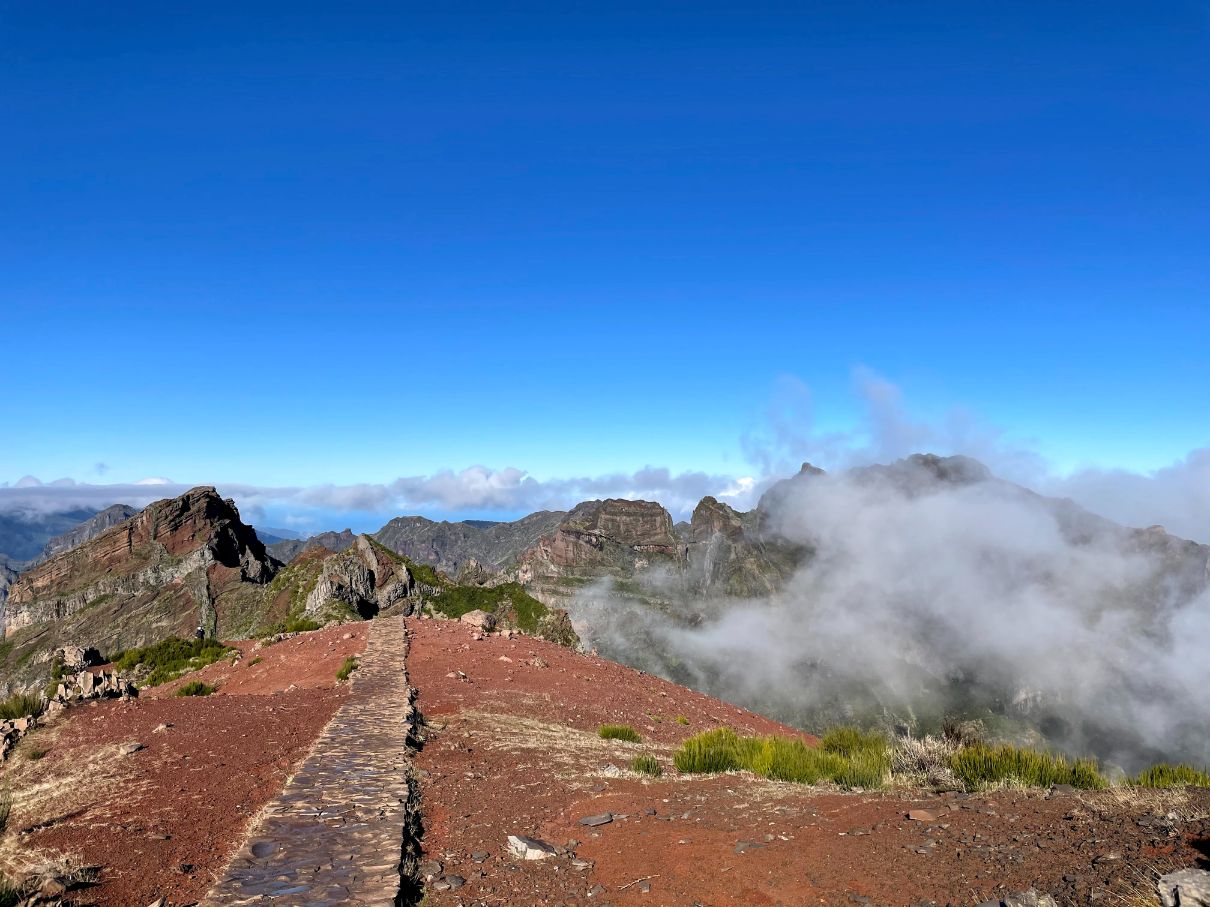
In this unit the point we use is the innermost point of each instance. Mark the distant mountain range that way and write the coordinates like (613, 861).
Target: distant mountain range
(893, 594)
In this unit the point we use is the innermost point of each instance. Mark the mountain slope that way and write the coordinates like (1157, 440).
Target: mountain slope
(23, 534)
(89, 529)
(178, 564)
(449, 546)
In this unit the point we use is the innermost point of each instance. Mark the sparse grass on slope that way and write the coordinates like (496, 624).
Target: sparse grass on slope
(170, 658)
(21, 705)
(619, 732)
(195, 688)
(646, 765)
(852, 760)
(349, 666)
(981, 765)
(290, 625)
(1166, 775)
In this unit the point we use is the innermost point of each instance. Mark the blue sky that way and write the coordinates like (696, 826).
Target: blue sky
(296, 244)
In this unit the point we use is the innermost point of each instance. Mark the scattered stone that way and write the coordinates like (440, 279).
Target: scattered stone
(431, 870)
(922, 815)
(453, 882)
(1185, 888)
(745, 846)
(480, 856)
(524, 848)
(595, 890)
(129, 749)
(594, 821)
(161, 728)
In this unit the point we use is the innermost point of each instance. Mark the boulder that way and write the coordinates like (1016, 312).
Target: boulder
(1185, 888)
(481, 619)
(523, 848)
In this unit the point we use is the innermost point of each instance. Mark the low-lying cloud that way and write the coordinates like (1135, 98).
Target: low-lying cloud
(970, 598)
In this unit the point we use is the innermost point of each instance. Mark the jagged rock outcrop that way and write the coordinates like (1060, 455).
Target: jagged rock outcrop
(180, 563)
(729, 555)
(364, 580)
(288, 549)
(614, 539)
(447, 546)
(89, 529)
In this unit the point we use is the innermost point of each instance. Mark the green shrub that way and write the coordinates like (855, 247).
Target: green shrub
(349, 666)
(1166, 775)
(22, 705)
(169, 658)
(681, 719)
(252, 663)
(786, 758)
(619, 732)
(980, 765)
(850, 741)
(646, 765)
(195, 688)
(36, 753)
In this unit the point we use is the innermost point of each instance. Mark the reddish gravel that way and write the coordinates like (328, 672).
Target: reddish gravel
(512, 750)
(163, 821)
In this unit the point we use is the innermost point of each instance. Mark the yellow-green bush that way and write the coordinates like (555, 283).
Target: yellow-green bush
(784, 759)
(980, 765)
(619, 732)
(1167, 775)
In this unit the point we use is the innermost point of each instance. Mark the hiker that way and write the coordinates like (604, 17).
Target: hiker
(199, 633)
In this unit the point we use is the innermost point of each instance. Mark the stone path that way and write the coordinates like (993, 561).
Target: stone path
(343, 829)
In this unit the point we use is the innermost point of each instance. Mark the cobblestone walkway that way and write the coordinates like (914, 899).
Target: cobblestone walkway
(336, 833)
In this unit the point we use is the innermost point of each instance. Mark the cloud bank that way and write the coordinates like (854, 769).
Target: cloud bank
(1177, 496)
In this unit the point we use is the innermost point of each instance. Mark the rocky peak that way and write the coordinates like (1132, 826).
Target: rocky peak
(712, 516)
(634, 523)
(180, 563)
(365, 579)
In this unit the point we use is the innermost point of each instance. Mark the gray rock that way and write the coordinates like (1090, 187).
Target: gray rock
(594, 821)
(1185, 888)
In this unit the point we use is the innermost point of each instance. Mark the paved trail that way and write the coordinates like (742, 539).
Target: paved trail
(336, 833)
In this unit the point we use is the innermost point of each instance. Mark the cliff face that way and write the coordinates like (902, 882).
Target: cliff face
(363, 581)
(86, 531)
(449, 546)
(613, 539)
(180, 563)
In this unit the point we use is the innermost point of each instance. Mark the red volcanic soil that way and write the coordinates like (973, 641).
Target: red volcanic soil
(164, 820)
(512, 749)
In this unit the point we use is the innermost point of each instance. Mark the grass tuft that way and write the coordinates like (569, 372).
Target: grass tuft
(981, 765)
(1166, 775)
(681, 719)
(347, 668)
(22, 705)
(647, 765)
(619, 732)
(195, 688)
(36, 753)
(291, 625)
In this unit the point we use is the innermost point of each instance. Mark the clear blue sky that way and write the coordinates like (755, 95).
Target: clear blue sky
(298, 243)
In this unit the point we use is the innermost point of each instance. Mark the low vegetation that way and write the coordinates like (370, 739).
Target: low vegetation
(981, 765)
(291, 625)
(170, 658)
(1166, 775)
(347, 668)
(646, 765)
(681, 719)
(253, 662)
(619, 732)
(195, 688)
(36, 753)
(851, 759)
(21, 705)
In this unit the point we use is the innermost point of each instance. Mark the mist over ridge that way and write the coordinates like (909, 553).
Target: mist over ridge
(930, 588)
